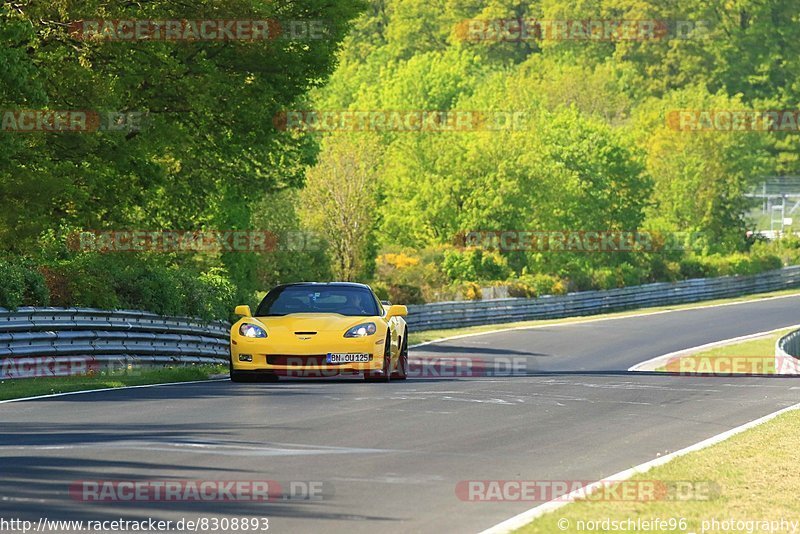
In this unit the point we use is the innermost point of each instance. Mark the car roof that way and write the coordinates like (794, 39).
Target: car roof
(326, 284)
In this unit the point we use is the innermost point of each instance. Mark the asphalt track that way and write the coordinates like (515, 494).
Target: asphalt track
(390, 455)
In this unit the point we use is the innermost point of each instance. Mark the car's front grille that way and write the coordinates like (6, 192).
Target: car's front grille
(299, 360)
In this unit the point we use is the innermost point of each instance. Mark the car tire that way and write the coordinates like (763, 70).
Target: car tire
(386, 375)
(402, 364)
(239, 377)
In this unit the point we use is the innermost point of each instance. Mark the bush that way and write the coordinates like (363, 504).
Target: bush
(35, 287)
(517, 289)
(604, 278)
(139, 282)
(405, 294)
(12, 285)
(787, 250)
(150, 287)
(736, 264)
(630, 275)
(215, 296)
(475, 264)
(769, 262)
(537, 285)
(662, 270)
(623, 275)
(381, 291)
(404, 267)
(472, 291)
(84, 281)
(21, 284)
(692, 267)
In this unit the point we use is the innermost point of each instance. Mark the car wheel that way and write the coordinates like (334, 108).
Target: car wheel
(238, 377)
(402, 364)
(384, 376)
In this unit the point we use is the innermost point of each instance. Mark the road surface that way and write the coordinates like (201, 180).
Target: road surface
(389, 456)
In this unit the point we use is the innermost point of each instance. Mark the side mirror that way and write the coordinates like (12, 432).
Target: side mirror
(243, 310)
(396, 310)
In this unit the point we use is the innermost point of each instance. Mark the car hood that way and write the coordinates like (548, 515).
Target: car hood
(312, 322)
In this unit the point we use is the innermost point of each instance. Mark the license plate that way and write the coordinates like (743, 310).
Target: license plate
(334, 357)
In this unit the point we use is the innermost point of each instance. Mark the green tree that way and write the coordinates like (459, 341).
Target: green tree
(701, 176)
(207, 147)
(340, 202)
(298, 253)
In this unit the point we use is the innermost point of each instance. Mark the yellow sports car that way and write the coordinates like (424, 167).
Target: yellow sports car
(320, 329)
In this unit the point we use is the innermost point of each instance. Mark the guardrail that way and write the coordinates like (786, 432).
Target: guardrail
(471, 313)
(59, 341)
(63, 341)
(787, 353)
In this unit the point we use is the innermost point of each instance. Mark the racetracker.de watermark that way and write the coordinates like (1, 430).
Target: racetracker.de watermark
(259, 241)
(199, 29)
(728, 365)
(731, 120)
(467, 367)
(47, 366)
(216, 524)
(418, 368)
(66, 121)
(526, 29)
(420, 121)
(567, 490)
(121, 491)
(579, 240)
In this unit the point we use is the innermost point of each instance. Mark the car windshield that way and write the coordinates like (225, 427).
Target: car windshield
(344, 300)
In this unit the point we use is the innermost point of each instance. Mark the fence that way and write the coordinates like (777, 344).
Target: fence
(63, 341)
(470, 313)
(787, 352)
(60, 341)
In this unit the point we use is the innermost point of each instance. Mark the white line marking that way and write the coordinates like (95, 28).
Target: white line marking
(598, 319)
(207, 448)
(22, 499)
(659, 361)
(82, 392)
(441, 340)
(520, 520)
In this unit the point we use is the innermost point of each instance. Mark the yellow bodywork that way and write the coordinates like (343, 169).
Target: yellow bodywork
(292, 339)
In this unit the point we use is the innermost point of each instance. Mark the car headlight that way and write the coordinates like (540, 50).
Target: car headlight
(251, 330)
(361, 330)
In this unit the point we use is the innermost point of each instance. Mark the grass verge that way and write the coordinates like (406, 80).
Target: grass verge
(754, 356)
(14, 389)
(752, 475)
(432, 335)
(31, 387)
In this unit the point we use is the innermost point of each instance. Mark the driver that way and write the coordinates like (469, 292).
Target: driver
(356, 300)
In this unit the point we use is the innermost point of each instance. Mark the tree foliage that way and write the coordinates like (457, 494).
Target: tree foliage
(594, 149)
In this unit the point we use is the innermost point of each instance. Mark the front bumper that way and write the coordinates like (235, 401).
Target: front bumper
(306, 358)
